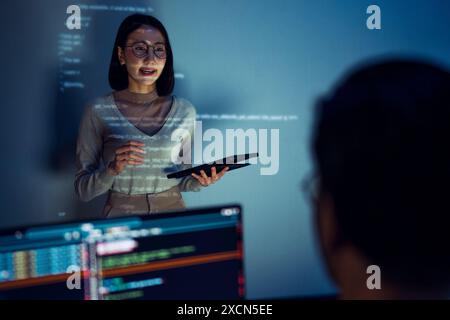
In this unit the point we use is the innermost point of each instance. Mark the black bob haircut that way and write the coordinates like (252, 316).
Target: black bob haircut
(118, 75)
(381, 151)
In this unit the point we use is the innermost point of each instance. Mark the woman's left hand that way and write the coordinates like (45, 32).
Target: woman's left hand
(205, 180)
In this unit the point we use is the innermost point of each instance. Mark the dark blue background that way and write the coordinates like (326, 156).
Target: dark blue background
(237, 57)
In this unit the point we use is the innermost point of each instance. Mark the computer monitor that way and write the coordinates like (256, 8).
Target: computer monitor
(192, 254)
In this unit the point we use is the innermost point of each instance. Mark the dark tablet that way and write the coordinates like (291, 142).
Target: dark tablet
(230, 162)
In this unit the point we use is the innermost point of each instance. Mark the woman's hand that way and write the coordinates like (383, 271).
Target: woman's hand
(205, 180)
(128, 154)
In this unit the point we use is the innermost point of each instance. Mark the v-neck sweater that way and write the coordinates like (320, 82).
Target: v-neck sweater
(146, 111)
(104, 128)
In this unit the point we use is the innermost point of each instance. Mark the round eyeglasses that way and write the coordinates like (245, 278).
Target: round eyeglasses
(142, 50)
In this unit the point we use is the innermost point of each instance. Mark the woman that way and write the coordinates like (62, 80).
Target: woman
(125, 145)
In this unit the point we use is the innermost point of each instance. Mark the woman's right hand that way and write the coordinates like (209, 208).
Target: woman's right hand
(128, 154)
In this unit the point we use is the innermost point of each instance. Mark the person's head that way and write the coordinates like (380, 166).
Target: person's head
(382, 158)
(142, 57)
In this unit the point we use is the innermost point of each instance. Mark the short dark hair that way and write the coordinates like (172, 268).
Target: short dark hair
(382, 152)
(118, 75)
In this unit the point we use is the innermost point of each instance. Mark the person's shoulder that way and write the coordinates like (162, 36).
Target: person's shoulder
(99, 108)
(102, 100)
(99, 104)
(184, 106)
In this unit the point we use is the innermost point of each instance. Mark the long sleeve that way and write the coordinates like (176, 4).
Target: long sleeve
(91, 179)
(189, 183)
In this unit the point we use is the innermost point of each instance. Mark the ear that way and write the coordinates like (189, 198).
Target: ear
(121, 55)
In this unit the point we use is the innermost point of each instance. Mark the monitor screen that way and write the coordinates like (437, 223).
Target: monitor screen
(193, 254)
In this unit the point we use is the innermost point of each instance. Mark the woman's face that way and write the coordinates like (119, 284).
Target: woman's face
(144, 55)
